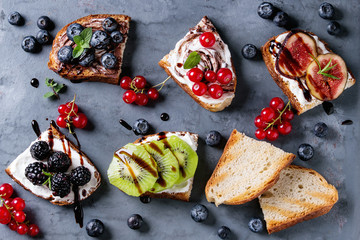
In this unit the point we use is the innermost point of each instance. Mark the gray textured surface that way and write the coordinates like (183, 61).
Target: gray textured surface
(156, 27)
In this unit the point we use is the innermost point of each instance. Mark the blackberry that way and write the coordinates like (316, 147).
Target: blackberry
(59, 162)
(40, 150)
(80, 176)
(60, 184)
(34, 173)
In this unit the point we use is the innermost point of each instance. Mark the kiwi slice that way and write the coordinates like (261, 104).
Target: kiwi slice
(132, 170)
(186, 156)
(167, 165)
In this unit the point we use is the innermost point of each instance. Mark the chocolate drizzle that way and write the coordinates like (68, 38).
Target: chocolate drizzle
(125, 124)
(78, 210)
(36, 128)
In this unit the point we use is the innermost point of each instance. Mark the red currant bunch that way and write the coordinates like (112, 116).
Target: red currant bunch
(12, 214)
(274, 120)
(70, 116)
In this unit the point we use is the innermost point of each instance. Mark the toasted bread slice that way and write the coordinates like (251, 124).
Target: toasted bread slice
(291, 87)
(59, 142)
(95, 72)
(246, 169)
(212, 58)
(300, 194)
(180, 191)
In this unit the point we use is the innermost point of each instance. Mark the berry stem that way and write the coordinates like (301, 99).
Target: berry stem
(162, 84)
(288, 106)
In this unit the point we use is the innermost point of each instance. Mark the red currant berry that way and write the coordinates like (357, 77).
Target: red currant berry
(195, 74)
(141, 99)
(259, 123)
(199, 88)
(277, 103)
(8, 203)
(285, 128)
(19, 216)
(288, 115)
(69, 106)
(6, 190)
(125, 83)
(62, 109)
(33, 230)
(61, 121)
(5, 215)
(80, 120)
(272, 134)
(260, 134)
(215, 91)
(268, 114)
(129, 96)
(207, 39)
(13, 225)
(224, 75)
(153, 93)
(210, 76)
(18, 204)
(22, 229)
(139, 82)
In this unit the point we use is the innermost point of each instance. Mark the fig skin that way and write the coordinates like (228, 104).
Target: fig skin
(327, 88)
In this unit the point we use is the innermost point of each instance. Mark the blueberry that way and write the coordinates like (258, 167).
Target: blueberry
(108, 60)
(109, 24)
(73, 30)
(256, 225)
(116, 37)
(95, 228)
(87, 57)
(45, 23)
(30, 44)
(43, 37)
(135, 221)
(266, 10)
(326, 10)
(281, 19)
(320, 129)
(305, 152)
(145, 199)
(100, 40)
(249, 51)
(199, 213)
(223, 232)
(15, 18)
(213, 138)
(334, 28)
(65, 54)
(141, 126)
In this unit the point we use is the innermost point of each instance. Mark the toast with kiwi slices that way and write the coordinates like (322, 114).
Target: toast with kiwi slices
(160, 165)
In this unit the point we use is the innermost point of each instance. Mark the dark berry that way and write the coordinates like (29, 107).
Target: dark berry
(256, 225)
(249, 51)
(266, 10)
(74, 30)
(199, 213)
(34, 172)
(135, 221)
(30, 44)
(80, 176)
(141, 126)
(326, 10)
(15, 18)
(45, 23)
(320, 129)
(281, 19)
(116, 37)
(87, 57)
(65, 54)
(60, 184)
(43, 37)
(334, 28)
(145, 199)
(109, 24)
(213, 138)
(100, 39)
(95, 228)
(223, 232)
(305, 152)
(40, 150)
(108, 60)
(59, 162)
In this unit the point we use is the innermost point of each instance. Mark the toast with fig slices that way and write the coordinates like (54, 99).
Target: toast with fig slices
(95, 71)
(292, 58)
(213, 58)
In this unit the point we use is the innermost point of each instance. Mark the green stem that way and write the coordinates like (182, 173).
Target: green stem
(279, 117)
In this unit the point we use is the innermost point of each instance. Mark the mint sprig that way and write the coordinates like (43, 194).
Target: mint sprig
(192, 60)
(56, 88)
(48, 181)
(325, 69)
(82, 41)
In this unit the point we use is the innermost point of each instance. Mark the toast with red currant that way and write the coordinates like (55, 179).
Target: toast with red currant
(201, 65)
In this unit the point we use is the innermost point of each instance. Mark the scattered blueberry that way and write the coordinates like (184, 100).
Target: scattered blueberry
(109, 24)
(281, 19)
(65, 54)
(305, 152)
(256, 225)
(87, 57)
(326, 10)
(135, 221)
(334, 28)
(45, 23)
(95, 228)
(15, 18)
(266, 10)
(73, 30)
(249, 51)
(100, 39)
(43, 37)
(30, 44)
(320, 129)
(40, 150)
(141, 126)
(213, 138)
(145, 199)
(199, 213)
(223, 232)
(116, 37)
(108, 60)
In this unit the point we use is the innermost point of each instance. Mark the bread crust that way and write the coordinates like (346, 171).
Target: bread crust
(86, 74)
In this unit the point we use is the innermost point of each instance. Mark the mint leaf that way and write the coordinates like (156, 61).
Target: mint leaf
(49, 94)
(77, 39)
(85, 45)
(192, 60)
(48, 82)
(86, 34)
(77, 51)
(58, 87)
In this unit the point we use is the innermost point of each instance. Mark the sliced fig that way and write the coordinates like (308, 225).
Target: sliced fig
(327, 85)
(295, 56)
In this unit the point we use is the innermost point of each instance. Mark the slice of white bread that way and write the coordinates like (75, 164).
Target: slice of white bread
(299, 195)
(246, 169)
